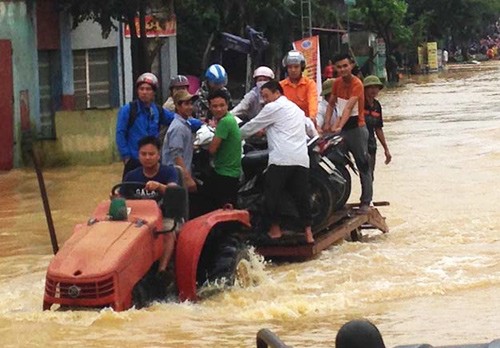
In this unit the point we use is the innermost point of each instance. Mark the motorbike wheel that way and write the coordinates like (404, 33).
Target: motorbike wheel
(322, 202)
(347, 192)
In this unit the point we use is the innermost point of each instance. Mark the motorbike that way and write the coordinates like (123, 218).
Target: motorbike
(326, 183)
(334, 148)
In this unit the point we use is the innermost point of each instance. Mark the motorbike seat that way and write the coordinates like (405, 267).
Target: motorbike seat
(255, 158)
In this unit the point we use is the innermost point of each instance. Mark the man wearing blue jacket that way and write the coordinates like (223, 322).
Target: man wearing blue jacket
(141, 118)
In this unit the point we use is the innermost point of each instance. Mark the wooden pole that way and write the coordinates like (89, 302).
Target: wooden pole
(45, 199)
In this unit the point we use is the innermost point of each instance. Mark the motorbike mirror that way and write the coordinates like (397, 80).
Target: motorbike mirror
(175, 203)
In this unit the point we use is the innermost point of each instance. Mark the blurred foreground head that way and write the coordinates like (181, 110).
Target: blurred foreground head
(359, 334)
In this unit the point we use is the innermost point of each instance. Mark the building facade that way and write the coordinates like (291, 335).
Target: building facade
(47, 67)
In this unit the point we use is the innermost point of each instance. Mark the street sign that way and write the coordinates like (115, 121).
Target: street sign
(350, 2)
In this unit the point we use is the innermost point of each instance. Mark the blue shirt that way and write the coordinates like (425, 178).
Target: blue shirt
(146, 123)
(178, 143)
(165, 176)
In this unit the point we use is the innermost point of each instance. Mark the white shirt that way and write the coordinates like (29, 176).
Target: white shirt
(445, 56)
(285, 125)
(320, 117)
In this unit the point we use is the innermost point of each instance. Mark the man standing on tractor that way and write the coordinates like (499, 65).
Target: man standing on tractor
(178, 143)
(140, 118)
(157, 178)
(298, 88)
(223, 181)
(374, 120)
(178, 83)
(216, 78)
(349, 99)
(252, 102)
(288, 165)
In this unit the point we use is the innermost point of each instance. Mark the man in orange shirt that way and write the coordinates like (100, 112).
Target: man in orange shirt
(349, 99)
(298, 88)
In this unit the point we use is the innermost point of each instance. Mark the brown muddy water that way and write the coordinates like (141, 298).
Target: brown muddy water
(434, 278)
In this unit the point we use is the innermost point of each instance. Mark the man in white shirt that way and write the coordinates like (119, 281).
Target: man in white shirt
(288, 169)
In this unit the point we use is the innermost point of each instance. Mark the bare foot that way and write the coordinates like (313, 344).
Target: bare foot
(309, 235)
(275, 232)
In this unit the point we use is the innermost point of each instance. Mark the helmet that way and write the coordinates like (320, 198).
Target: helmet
(216, 74)
(148, 78)
(263, 71)
(294, 57)
(179, 81)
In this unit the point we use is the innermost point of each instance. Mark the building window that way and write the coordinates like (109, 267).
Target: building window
(93, 72)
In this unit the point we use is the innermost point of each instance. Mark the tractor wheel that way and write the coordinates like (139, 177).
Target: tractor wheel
(232, 265)
(140, 295)
(228, 265)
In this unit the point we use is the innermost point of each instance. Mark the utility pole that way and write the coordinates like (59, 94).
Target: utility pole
(349, 3)
(306, 19)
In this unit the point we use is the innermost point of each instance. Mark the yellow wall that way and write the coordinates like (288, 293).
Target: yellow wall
(82, 137)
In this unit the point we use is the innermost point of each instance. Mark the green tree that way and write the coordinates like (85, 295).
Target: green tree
(461, 20)
(387, 19)
(200, 21)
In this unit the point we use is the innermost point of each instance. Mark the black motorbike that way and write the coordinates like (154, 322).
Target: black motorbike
(334, 148)
(326, 185)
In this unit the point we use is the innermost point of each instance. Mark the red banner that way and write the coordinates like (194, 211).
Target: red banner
(154, 28)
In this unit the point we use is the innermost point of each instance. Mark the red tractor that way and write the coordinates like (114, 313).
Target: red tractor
(112, 260)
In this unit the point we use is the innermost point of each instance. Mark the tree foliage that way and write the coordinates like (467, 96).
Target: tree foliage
(463, 20)
(407, 22)
(110, 13)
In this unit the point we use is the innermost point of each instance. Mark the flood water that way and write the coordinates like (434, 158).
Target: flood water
(434, 278)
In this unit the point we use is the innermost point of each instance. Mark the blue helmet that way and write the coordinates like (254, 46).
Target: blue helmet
(216, 74)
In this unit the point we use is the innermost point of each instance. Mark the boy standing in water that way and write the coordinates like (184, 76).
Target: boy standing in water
(374, 121)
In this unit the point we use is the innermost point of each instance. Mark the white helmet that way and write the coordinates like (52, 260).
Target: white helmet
(263, 71)
(148, 78)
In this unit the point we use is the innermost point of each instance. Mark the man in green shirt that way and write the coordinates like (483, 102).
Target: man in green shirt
(223, 183)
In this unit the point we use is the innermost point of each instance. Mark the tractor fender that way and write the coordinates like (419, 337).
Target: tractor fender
(190, 244)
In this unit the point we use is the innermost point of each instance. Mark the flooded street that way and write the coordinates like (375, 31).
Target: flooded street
(435, 278)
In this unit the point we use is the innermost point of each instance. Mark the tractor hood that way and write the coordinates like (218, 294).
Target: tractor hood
(101, 248)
